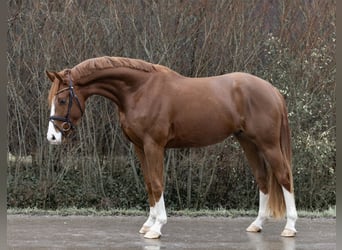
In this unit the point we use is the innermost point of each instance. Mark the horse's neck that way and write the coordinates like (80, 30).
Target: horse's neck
(114, 84)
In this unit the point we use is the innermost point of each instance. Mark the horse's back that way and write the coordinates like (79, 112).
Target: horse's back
(207, 110)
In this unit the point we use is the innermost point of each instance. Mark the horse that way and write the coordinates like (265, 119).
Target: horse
(159, 108)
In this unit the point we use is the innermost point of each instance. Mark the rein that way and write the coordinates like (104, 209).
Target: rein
(67, 124)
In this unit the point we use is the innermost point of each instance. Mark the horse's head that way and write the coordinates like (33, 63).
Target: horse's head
(66, 107)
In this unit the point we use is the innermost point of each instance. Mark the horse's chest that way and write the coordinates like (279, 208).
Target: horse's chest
(130, 131)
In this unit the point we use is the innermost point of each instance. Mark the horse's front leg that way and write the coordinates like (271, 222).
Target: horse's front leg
(151, 159)
(156, 220)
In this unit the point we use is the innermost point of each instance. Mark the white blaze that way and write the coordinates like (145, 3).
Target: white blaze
(54, 136)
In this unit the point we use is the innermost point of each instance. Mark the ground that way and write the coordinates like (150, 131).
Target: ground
(121, 232)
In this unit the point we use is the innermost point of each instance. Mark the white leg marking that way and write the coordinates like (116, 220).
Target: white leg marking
(150, 221)
(256, 225)
(291, 213)
(53, 136)
(159, 219)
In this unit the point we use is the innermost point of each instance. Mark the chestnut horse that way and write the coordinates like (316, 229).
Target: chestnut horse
(159, 109)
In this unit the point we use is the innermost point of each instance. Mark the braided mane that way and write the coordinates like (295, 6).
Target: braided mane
(92, 65)
(89, 66)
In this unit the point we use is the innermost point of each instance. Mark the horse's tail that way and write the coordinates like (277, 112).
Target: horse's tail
(276, 197)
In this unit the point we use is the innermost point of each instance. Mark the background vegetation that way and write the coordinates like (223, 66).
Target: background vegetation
(289, 43)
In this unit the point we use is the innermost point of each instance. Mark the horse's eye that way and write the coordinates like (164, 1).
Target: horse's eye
(62, 101)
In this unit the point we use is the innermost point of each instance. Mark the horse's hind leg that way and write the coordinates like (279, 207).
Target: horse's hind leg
(283, 176)
(291, 214)
(259, 170)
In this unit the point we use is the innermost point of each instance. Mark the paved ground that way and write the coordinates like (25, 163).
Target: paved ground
(119, 232)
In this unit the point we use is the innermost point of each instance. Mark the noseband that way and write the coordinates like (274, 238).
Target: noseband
(67, 124)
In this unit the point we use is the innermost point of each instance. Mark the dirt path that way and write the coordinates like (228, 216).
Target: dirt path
(119, 232)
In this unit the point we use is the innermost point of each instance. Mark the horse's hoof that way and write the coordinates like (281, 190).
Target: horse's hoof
(144, 229)
(253, 229)
(288, 233)
(152, 235)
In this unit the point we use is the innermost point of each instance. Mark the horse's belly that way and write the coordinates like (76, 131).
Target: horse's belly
(200, 132)
(193, 142)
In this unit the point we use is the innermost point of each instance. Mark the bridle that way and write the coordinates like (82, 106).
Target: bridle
(67, 124)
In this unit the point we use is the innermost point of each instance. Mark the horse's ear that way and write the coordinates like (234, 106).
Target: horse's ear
(53, 75)
(50, 75)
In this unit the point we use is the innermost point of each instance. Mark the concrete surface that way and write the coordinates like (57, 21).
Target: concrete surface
(120, 232)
